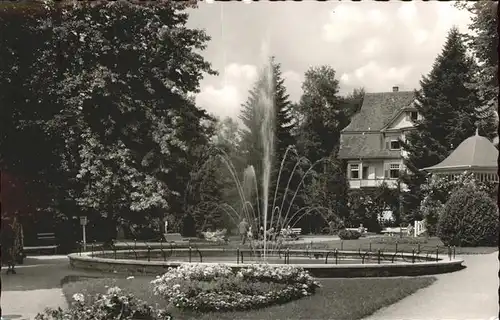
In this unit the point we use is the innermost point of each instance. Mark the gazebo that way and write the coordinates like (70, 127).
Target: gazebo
(475, 154)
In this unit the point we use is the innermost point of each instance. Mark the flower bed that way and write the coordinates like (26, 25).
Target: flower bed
(112, 305)
(219, 288)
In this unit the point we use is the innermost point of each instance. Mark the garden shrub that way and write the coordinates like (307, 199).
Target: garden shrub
(218, 288)
(469, 219)
(112, 305)
(349, 234)
(438, 189)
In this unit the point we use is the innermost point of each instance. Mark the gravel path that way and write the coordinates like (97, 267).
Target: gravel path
(36, 286)
(471, 293)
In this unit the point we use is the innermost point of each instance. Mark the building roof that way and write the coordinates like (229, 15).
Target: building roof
(362, 138)
(475, 152)
(369, 145)
(379, 109)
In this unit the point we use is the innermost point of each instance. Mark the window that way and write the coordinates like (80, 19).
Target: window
(395, 145)
(354, 171)
(414, 116)
(365, 172)
(394, 170)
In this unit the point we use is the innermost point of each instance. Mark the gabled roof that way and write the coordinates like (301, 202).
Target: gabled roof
(369, 145)
(379, 109)
(403, 110)
(475, 152)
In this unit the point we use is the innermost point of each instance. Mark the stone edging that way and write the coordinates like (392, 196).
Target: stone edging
(129, 266)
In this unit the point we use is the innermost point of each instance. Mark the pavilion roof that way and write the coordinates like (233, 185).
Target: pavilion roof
(475, 152)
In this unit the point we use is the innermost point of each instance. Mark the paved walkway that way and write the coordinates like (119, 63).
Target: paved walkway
(36, 286)
(469, 294)
(25, 305)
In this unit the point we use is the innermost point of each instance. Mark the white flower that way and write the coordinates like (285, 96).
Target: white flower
(78, 297)
(114, 291)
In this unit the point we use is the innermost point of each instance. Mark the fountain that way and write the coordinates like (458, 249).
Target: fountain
(155, 258)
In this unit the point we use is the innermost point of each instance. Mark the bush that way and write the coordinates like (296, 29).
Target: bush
(219, 288)
(469, 219)
(112, 305)
(349, 234)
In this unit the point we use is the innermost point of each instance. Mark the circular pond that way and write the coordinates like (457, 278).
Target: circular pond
(320, 263)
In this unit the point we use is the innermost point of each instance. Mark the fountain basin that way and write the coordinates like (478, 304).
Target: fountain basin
(320, 263)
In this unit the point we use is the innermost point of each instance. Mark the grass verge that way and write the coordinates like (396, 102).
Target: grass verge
(346, 299)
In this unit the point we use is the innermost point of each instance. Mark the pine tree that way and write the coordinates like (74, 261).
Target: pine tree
(484, 44)
(448, 108)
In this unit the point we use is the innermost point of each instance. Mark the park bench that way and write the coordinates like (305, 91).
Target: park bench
(47, 241)
(394, 231)
(296, 232)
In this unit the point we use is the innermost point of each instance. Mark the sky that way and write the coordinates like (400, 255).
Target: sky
(370, 44)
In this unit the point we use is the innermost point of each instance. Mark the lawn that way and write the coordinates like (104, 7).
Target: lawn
(372, 243)
(344, 299)
(390, 244)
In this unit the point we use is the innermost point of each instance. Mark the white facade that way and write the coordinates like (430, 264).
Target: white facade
(374, 172)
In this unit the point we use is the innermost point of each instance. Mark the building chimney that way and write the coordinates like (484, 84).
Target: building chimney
(395, 89)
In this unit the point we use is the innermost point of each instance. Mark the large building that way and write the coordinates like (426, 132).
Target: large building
(370, 143)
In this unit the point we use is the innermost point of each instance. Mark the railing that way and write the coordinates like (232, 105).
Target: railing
(417, 254)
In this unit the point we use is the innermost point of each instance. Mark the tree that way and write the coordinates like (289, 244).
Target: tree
(323, 114)
(469, 219)
(118, 79)
(437, 190)
(448, 107)
(483, 41)
(27, 151)
(269, 94)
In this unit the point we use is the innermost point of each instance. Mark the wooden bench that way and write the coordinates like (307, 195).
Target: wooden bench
(47, 241)
(394, 231)
(296, 232)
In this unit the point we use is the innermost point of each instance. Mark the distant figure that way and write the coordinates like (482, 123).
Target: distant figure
(249, 233)
(243, 229)
(409, 230)
(166, 226)
(12, 243)
(361, 229)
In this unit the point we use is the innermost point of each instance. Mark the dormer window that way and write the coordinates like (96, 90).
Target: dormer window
(413, 116)
(395, 145)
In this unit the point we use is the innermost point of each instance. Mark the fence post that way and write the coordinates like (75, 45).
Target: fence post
(238, 255)
(396, 247)
(241, 252)
(149, 253)
(287, 255)
(370, 246)
(336, 256)
(190, 253)
(378, 256)
(454, 252)
(341, 244)
(413, 256)
(92, 246)
(437, 253)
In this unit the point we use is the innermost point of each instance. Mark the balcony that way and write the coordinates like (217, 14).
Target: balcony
(372, 183)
